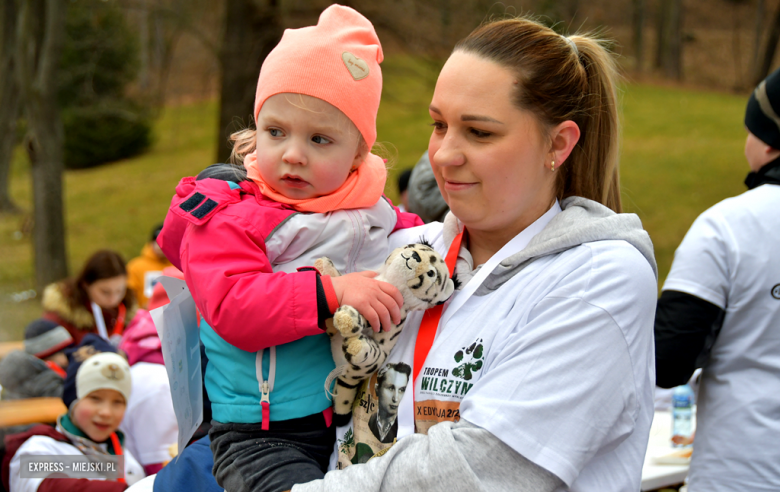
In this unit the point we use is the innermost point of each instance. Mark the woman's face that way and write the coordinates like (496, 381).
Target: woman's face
(490, 159)
(108, 292)
(99, 413)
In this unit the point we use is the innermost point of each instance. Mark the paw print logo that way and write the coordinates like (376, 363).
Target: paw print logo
(470, 360)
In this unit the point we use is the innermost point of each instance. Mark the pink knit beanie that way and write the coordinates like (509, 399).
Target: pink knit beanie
(336, 61)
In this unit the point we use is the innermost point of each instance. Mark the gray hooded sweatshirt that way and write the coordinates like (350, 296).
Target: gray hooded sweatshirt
(461, 457)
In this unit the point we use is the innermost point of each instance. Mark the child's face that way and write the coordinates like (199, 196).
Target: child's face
(305, 146)
(99, 413)
(108, 292)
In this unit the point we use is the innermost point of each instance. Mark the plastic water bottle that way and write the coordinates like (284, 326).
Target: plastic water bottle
(682, 412)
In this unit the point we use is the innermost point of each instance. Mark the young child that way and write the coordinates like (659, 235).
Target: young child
(102, 389)
(48, 340)
(310, 188)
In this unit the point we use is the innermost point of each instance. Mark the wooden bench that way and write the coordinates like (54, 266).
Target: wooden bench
(30, 411)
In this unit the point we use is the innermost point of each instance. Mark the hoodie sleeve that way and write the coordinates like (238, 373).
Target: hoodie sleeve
(236, 290)
(452, 457)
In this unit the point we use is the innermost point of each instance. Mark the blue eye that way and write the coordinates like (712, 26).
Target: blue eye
(319, 139)
(275, 132)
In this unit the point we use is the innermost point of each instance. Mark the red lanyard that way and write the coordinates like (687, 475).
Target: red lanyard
(119, 326)
(430, 321)
(117, 452)
(56, 368)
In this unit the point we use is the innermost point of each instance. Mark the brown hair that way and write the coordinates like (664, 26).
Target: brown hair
(101, 265)
(557, 82)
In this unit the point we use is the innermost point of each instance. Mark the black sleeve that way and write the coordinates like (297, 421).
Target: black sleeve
(685, 330)
(323, 312)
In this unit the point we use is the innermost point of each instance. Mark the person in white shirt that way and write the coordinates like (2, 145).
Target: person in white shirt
(720, 310)
(540, 373)
(102, 385)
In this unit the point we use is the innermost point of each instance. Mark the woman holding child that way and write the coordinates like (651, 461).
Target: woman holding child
(538, 374)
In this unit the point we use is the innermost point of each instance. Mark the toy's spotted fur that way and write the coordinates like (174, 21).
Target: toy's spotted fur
(421, 275)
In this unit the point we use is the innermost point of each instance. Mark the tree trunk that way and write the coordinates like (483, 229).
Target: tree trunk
(769, 48)
(662, 26)
(143, 77)
(673, 57)
(736, 48)
(759, 30)
(9, 102)
(638, 21)
(252, 29)
(39, 36)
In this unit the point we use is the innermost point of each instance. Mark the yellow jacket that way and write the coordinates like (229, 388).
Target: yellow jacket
(142, 273)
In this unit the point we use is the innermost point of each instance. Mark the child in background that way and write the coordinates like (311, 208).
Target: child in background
(309, 188)
(143, 271)
(102, 388)
(48, 340)
(403, 189)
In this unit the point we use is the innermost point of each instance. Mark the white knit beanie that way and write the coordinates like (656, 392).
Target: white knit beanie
(106, 370)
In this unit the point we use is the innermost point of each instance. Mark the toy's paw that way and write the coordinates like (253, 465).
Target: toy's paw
(348, 321)
(356, 347)
(326, 267)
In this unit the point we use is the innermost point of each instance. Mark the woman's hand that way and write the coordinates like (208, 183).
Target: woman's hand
(378, 302)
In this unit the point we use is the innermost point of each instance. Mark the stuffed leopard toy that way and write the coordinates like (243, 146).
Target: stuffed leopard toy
(421, 275)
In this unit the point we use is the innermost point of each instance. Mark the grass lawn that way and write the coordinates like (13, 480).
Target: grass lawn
(681, 153)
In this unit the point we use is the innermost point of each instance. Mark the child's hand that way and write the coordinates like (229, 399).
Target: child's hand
(378, 302)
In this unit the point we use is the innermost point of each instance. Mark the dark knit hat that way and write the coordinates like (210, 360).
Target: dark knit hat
(156, 231)
(90, 345)
(44, 337)
(763, 108)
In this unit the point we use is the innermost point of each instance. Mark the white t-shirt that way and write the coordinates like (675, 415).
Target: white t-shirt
(150, 425)
(557, 363)
(729, 257)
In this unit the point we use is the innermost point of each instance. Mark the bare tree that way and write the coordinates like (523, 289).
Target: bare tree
(9, 101)
(769, 48)
(252, 29)
(662, 26)
(759, 30)
(668, 55)
(638, 22)
(674, 44)
(39, 36)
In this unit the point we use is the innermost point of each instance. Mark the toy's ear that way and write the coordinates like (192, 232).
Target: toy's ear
(449, 288)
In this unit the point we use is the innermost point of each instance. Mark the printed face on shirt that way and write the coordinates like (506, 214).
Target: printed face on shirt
(305, 146)
(108, 292)
(389, 391)
(99, 413)
(490, 158)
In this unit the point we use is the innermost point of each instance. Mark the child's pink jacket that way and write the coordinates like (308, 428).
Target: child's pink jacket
(230, 258)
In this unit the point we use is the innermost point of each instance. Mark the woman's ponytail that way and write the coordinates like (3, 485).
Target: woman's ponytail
(594, 161)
